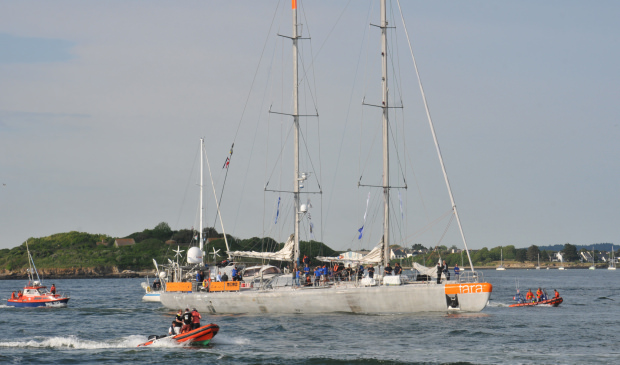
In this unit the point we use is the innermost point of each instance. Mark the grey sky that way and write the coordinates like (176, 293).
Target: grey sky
(102, 105)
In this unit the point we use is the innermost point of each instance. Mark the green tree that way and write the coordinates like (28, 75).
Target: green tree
(569, 253)
(521, 254)
(418, 247)
(532, 253)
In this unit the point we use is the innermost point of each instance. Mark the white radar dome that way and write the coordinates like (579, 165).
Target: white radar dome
(194, 256)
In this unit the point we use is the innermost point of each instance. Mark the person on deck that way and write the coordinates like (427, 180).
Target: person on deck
(218, 277)
(53, 289)
(457, 272)
(234, 273)
(13, 295)
(297, 276)
(19, 294)
(156, 284)
(398, 269)
(349, 272)
(187, 321)
(360, 272)
(556, 294)
(196, 317)
(539, 294)
(529, 296)
(199, 276)
(317, 276)
(439, 271)
(306, 260)
(387, 270)
(446, 271)
(371, 271)
(225, 277)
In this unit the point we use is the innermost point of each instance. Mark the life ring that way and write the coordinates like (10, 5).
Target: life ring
(148, 289)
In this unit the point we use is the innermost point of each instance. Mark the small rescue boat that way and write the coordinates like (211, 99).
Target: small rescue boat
(199, 336)
(37, 295)
(554, 302)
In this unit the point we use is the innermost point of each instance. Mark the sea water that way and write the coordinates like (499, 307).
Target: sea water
(106, 320)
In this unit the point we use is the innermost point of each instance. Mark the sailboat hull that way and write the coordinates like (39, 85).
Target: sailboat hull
(412, 298)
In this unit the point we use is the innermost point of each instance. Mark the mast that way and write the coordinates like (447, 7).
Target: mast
(202, 147)
(296, 180)
(386, 165)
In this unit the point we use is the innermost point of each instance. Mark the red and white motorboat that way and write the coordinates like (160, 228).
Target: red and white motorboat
(36, 294)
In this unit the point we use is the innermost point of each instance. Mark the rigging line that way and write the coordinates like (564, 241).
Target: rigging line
(429, 226)
(328, 34)
(430, 121)
(372, 145)
(344, 130)
(186, 189)
(446, 230)
(396, 149)
(281, 151)
(223, 183)
(269, 74)
(310, 159)
(256, 72)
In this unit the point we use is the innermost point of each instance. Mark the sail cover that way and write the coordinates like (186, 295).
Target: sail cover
(285, 254)
(423, 270)
(373, 257)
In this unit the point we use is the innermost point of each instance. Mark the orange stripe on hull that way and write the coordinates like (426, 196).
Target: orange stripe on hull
(468, 288)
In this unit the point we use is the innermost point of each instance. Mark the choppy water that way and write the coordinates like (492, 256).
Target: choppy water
(106, 319)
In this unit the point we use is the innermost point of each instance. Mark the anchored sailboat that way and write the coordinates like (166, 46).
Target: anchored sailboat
(469, 293)
(501, 261)
(612, 260)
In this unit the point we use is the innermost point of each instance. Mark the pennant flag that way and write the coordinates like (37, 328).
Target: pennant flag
(361, 230)
(311, 228)
(226, 163)
(278, 211)
(402, 216)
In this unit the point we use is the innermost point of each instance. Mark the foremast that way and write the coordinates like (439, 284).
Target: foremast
(202, 151)
(297, 176)
(386, 152)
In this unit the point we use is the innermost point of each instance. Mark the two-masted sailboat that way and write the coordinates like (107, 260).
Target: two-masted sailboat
(469, 293)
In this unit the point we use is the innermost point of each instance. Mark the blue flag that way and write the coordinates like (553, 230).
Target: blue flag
(360, 231)
(277, 211)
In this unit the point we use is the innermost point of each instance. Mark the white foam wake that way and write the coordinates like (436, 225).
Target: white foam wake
(73, 342)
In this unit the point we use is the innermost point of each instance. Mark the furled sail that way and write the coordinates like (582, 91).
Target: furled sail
(285, 254)
(373, 257)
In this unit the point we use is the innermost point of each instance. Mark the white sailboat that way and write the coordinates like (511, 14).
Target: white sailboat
(501, 261)
(175, 271)
(470, 294)
(538, 267)
(612, 260)
(592, 267)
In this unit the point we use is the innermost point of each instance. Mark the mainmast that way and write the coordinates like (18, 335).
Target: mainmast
(202, 151)
(296, 132)
(386, 164)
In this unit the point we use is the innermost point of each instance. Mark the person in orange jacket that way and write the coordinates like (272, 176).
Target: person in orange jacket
(556, 294)
(529, 296)
(539, 294)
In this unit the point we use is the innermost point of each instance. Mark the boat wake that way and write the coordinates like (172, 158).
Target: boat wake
(73, 342)
(225, 340)
(497, 304)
